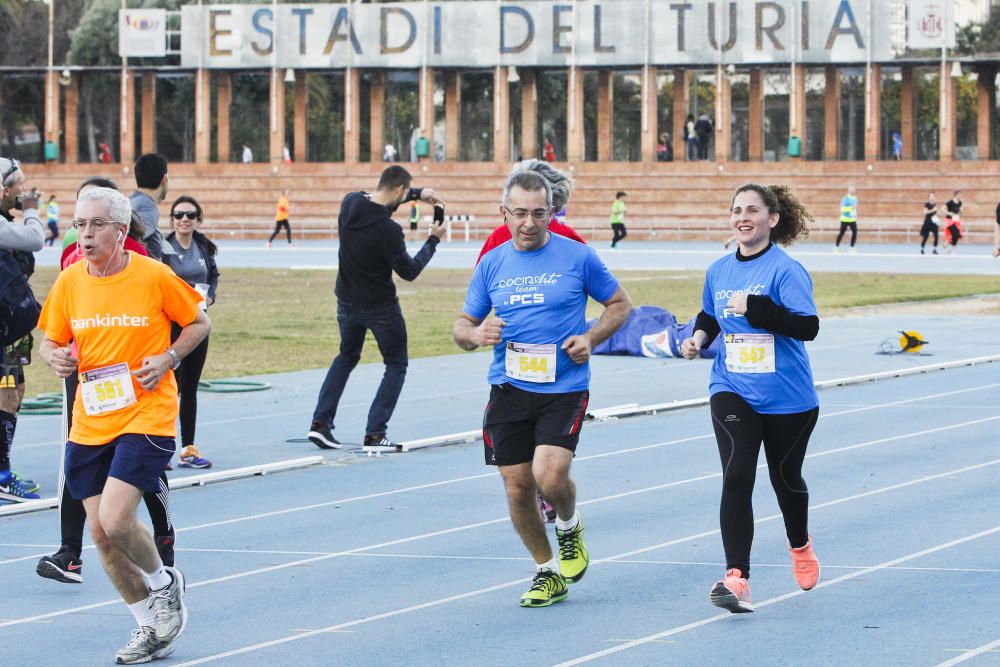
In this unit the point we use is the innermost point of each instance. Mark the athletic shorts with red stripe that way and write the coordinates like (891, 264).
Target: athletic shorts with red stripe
(516, 421)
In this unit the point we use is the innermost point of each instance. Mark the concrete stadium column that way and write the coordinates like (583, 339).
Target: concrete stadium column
(986, 102)
(724, 115)
(797, 111)
(831, 114)
(52, 124)
(605, 113)
(873, 116)
(574, 115)
(755, 115)
(71, 110)
(649, 139)
(426, 93)
(126, 129)
(906, 111)
(501, 107)
(452, 113)
(223, 101)
(947, 126)
(276, 121)
(680, 113)
(377, 116)
(301, 150)
(203, 117)
(352, 113)
(148, 137)
(529, 113)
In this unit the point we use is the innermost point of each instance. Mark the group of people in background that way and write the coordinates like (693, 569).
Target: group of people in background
(131, 377)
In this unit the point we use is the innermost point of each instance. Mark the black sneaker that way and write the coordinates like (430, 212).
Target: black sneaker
(165, 547)
(321, 436)
(62, 566)
(379, 442)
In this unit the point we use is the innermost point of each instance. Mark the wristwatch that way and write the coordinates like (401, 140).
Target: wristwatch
(173, 355)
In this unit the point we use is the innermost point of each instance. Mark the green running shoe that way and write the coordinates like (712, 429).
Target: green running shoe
(547, 588)
(573, 555)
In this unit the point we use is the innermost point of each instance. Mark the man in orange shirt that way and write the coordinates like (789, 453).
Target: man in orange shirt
(281, 219)
(118, 306)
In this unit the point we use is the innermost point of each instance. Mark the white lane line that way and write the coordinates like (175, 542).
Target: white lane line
(414, 538)
(659, 487)
(509, 584)
(969, 655)
(787, 596)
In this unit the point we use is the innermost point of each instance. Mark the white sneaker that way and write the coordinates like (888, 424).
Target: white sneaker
(143, 647)
(168, 605)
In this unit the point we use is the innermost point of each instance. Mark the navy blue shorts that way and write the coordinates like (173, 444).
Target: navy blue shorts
(134, 459)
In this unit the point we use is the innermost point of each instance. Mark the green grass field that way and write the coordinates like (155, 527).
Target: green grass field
(269, 321)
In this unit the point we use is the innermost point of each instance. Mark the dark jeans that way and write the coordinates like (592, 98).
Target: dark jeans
(387, 325)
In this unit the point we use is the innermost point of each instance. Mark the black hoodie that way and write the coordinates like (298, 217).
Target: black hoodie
(371, 248)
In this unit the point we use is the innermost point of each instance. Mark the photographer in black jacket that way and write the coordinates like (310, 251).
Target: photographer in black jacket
(372, 246)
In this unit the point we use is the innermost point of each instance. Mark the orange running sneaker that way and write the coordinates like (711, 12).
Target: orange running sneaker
(732, 593)
(805, 565)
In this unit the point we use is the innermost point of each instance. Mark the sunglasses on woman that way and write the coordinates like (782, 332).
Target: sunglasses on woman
(179, 215)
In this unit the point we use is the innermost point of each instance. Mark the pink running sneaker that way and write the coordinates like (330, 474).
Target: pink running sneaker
(732, 593)
(805, 565)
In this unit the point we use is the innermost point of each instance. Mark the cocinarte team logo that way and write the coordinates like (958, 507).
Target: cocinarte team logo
(931, 24)
(141, 22)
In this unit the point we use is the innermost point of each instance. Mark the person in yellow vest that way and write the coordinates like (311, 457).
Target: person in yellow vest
(618, 219)
(281, 220)
(848, 219)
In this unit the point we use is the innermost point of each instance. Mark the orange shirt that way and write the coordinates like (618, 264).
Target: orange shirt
(122, 318)
(282, 213)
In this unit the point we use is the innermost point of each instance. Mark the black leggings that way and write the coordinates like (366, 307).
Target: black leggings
(188, 376)
(739, 431)
(843, 228)
(72, 515)
(618, 229)
(278, 224)
(928, 229)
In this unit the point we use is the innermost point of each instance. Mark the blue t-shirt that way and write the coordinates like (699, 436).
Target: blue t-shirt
(790, 388)
(541, 295)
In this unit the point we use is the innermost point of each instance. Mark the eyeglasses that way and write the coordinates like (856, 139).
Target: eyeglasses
(538, 214)
(179, 215)
(9, 171)
(96, 224)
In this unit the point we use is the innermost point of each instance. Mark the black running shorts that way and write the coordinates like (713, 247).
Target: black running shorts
(516, 421)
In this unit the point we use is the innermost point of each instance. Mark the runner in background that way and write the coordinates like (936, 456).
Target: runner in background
(953, 221)
(281, 220)
(930, 225)
(618, 220)
(848, 219)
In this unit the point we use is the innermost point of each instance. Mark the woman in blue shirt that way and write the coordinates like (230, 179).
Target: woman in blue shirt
(761, 387)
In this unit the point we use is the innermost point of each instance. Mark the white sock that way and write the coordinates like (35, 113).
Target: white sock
(552, 565)
(570, 523)
(158, 579)
(143, 612)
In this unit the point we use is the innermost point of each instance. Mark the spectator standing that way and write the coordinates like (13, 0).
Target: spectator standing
(151, 183)
(52, 217)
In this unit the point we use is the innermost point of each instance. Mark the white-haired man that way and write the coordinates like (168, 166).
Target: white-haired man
(117, 306)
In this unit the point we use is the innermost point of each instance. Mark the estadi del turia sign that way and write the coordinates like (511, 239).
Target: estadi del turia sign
(483, 33)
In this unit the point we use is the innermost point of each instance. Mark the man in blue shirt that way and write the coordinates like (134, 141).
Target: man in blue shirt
(538, 284)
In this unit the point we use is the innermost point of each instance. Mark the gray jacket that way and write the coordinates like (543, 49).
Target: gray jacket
(28, 237)
(144, 206)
